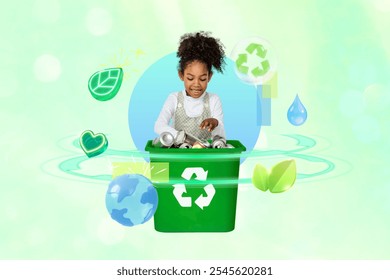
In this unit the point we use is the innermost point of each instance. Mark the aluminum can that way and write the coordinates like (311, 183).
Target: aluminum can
(185, 146)
(180, 137)
(229, 146)
(165, 140)
(218, 142)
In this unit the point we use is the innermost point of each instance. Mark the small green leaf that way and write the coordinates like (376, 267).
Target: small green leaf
(104, 85)
(282, 176)
(260, 177)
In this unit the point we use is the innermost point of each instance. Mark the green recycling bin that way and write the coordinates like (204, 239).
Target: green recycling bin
(199, 193)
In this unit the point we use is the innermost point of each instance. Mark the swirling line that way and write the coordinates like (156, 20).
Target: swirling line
(70, 166)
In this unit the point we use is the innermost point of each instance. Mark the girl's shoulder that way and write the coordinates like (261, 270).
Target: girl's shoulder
(213, 96)
(172, 98)
(174, 94)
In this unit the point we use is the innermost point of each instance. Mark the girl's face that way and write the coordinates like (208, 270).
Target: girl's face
(195, 78)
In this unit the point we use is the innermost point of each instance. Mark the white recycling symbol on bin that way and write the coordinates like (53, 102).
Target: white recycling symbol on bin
(201, 201)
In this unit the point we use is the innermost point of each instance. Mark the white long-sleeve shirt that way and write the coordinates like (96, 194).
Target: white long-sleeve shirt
(193, 108)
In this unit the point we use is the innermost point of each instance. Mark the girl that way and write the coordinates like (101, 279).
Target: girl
(194, 110)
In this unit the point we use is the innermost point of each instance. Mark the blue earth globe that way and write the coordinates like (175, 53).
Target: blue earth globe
(131, 199)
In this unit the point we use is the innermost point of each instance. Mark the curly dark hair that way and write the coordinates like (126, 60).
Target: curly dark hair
(202, 47)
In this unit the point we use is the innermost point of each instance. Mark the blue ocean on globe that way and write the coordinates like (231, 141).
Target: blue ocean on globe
(131, 199)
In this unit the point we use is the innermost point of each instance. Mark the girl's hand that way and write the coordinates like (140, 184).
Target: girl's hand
(209, 124)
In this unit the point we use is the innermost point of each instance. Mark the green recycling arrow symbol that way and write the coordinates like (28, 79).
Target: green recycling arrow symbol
(242, 59)
(260, 50)
(258, 71)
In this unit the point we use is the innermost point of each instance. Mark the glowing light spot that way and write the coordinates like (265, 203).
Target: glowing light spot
(47, 68)
(98, 21)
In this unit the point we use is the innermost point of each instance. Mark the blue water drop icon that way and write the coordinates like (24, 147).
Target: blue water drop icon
(297, 113)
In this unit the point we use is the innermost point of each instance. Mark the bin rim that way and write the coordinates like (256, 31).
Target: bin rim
(238, 148)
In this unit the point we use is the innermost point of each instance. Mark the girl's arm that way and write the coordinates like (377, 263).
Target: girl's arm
(162, 123)
(217, 113)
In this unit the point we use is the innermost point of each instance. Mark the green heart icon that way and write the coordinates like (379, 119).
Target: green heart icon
(93, 144)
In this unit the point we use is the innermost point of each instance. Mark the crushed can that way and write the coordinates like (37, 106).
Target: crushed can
(165, 140)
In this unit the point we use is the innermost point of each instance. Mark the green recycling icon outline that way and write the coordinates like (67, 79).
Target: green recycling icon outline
(242, 59)
(180, 189)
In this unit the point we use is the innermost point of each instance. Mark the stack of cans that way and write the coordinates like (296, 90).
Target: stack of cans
(185, 140)
(220, 142)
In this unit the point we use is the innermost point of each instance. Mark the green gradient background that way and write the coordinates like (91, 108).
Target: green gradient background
(335, 54)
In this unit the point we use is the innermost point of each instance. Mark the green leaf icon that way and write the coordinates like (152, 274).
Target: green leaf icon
(105, 84)
(282, 176)
(260, 177)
